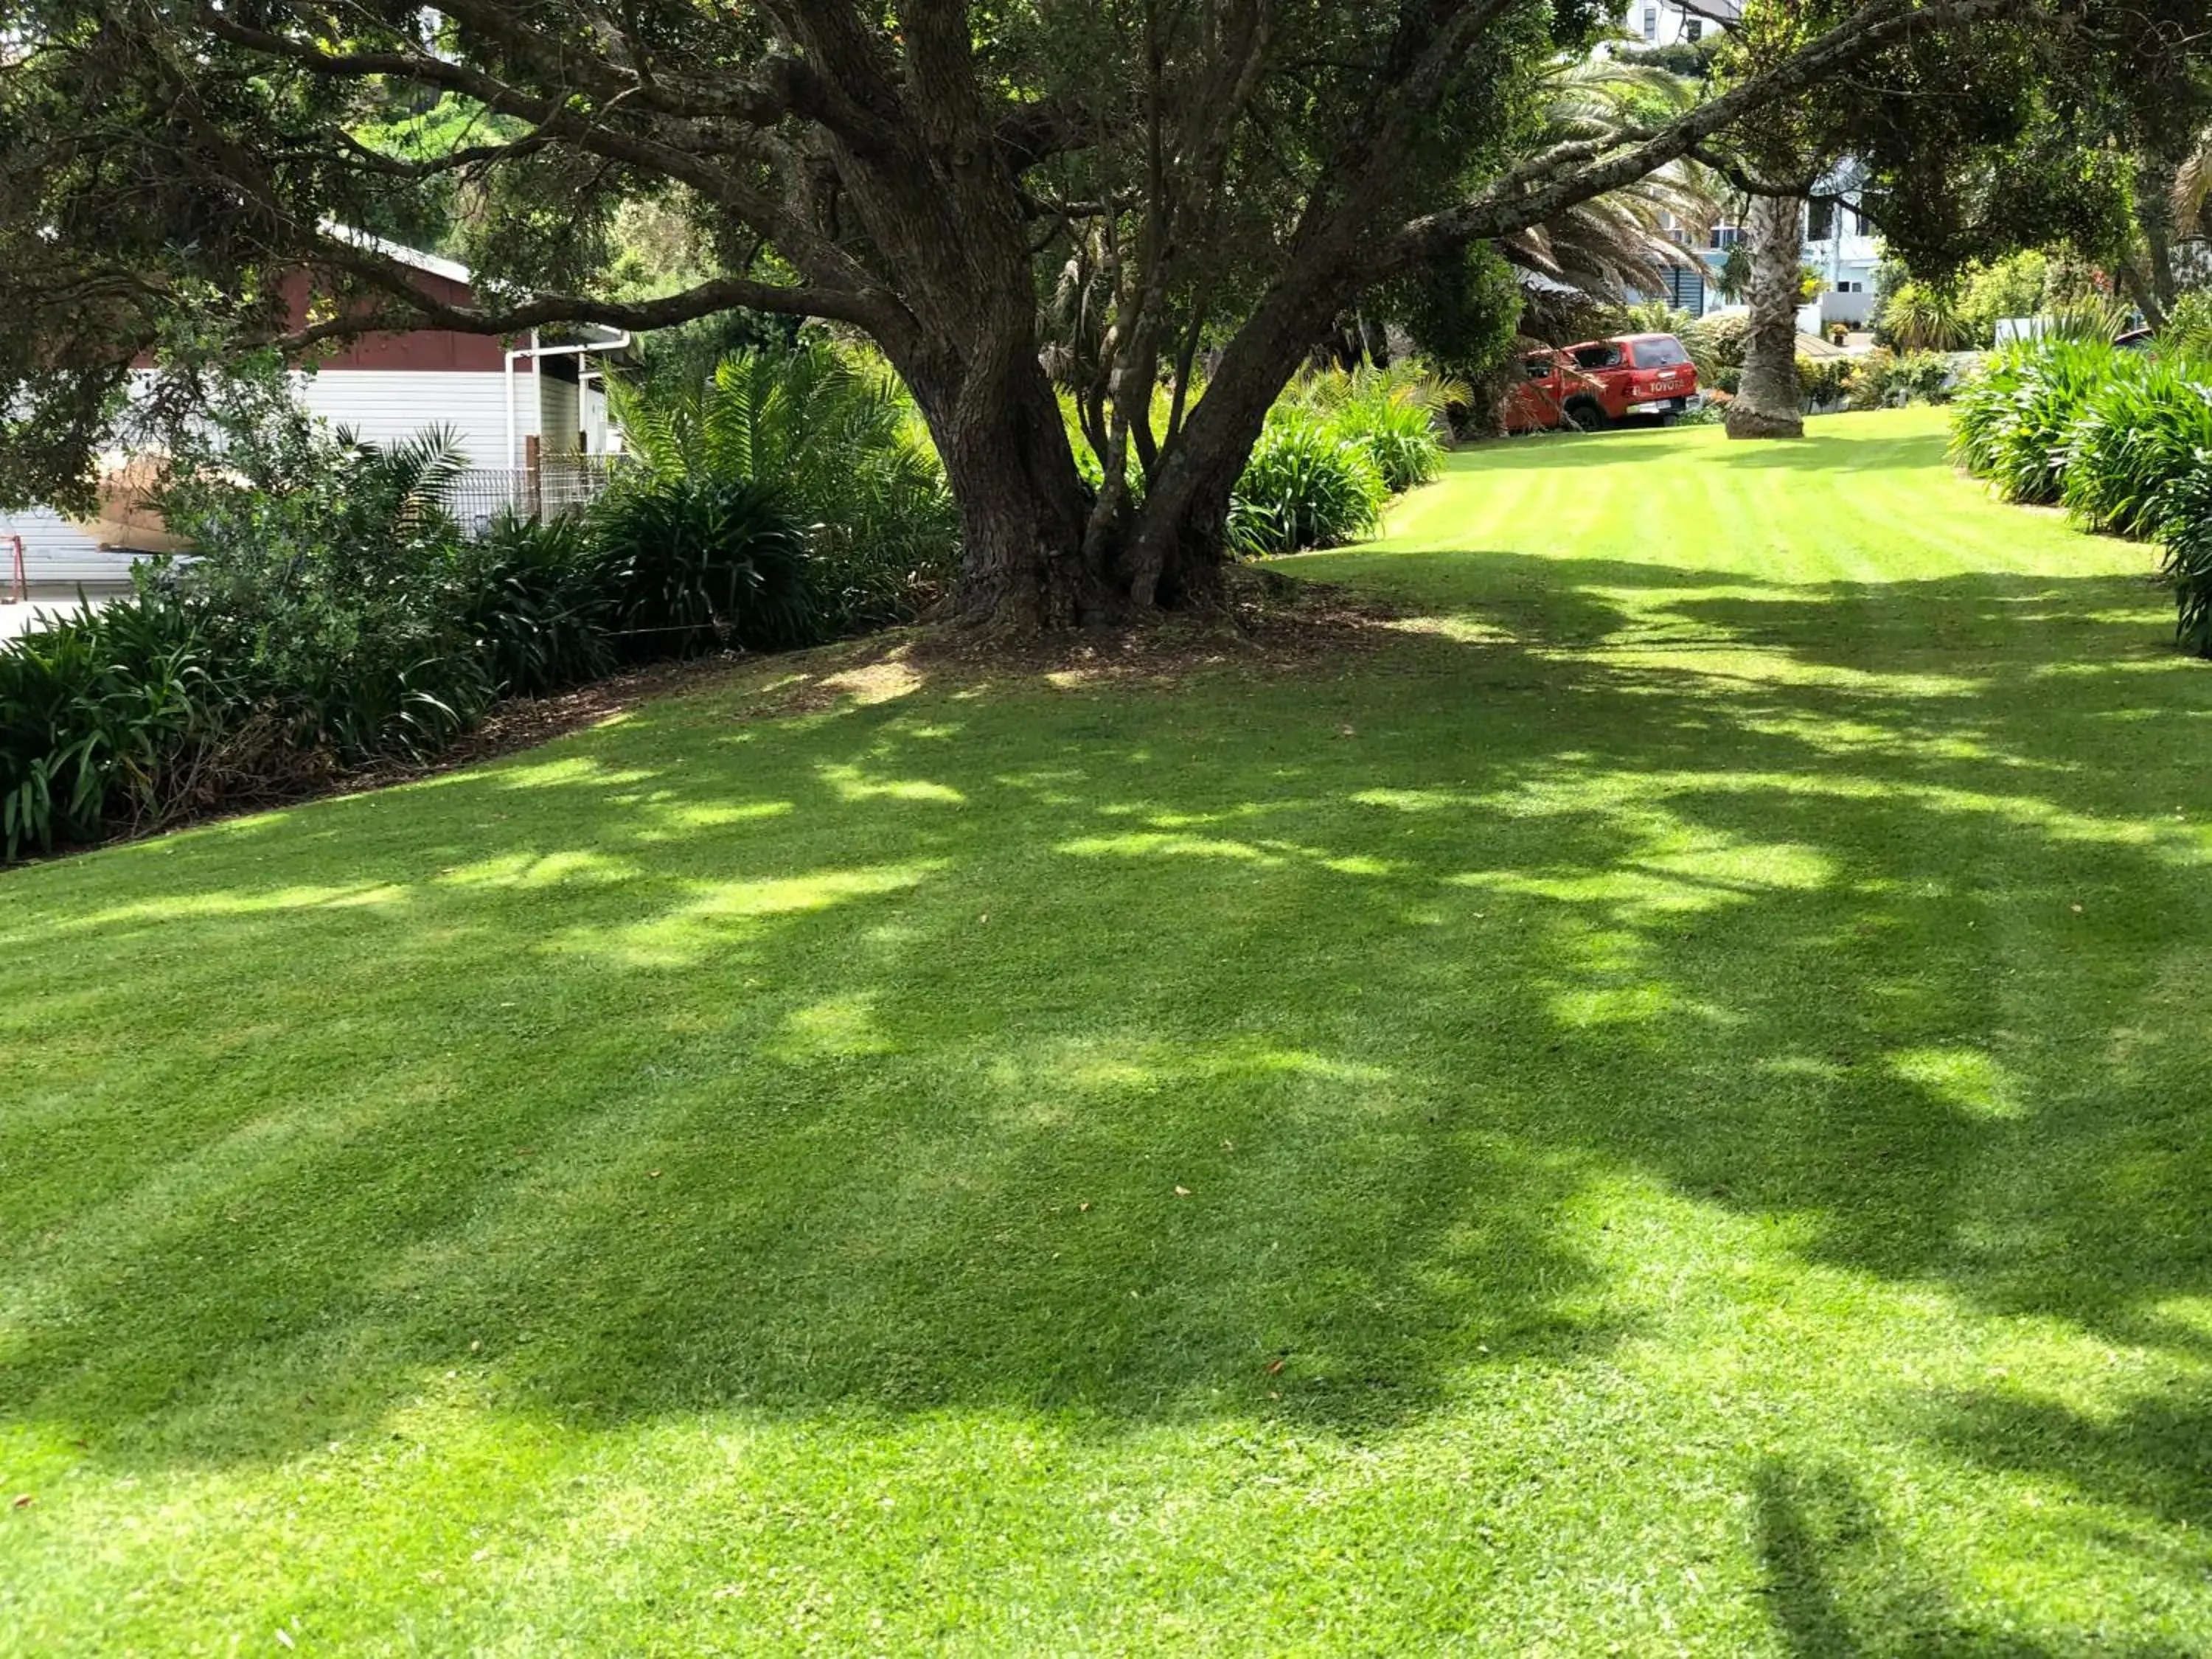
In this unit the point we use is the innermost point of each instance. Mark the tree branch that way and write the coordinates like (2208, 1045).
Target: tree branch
(412, 308)
(1569, 174)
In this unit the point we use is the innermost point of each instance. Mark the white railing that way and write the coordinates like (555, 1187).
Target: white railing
(557, 484)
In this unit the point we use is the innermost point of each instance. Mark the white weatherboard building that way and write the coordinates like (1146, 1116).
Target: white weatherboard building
(1676, 23)
(503, 406)
(1840, 244)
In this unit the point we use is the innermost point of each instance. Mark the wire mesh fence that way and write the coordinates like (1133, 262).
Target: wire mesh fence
(557, 484)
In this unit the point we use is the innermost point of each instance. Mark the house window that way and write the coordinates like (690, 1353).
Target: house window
(1652, 22)
(1695, 28)
(1819, 221)
(1726, 236)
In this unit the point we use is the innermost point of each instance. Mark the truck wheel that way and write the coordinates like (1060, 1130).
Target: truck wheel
(1588, 416)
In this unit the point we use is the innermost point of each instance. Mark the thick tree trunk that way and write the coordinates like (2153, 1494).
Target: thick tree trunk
(1769, 403)
(1024, 562)
(1006, 455)
(1177, 548)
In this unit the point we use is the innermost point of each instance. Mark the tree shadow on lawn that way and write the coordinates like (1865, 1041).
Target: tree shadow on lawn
(855, 1060)
(1839, 1584)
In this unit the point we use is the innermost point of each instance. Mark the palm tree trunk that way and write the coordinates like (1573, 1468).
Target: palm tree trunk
(1769, 403)
(2157, 179)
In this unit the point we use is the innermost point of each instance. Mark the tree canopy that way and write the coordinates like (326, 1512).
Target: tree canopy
(1236, 172)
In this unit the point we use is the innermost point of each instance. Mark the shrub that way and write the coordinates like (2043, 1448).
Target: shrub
(2185, 513)
(1927, 376)
(1823, 379)
(2016, 286)
(694, 562)
(1868, 385)
(1464, 312)
(1879, 379)
(332, 612)
(537, 603)
(1305, 486)
(2139, 431)
(330, 595)
(94, 713)
(2015, 422)
(1718, 343)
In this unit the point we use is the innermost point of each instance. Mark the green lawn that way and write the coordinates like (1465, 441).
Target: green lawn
(1665, 1105)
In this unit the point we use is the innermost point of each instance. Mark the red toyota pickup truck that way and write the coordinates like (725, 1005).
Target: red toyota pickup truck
(1600, 382)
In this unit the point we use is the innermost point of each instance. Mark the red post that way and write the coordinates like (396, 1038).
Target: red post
(22, 580)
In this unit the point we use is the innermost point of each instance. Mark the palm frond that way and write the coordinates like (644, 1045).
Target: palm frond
(2192, 190)
(1626, 240)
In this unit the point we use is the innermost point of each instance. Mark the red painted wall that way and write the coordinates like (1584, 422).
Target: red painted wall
(432, 348)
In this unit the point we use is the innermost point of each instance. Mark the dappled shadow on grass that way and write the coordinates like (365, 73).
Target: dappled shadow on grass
(1244, 1051)
(1837, 1584)
(2154, 1455)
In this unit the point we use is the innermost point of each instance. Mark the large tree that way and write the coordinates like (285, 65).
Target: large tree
(1244, 169)
(1958, 149)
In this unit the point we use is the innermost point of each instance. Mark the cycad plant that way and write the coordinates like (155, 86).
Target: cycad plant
(2188, 328)
(1655, 317)
(834, 443)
